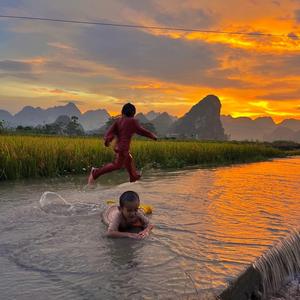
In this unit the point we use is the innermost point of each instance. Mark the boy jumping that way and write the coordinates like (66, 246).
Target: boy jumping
(123, 129)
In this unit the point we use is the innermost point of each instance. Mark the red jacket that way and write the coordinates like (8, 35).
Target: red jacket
(124, 128)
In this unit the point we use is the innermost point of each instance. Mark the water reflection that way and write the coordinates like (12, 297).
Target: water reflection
(210, 223)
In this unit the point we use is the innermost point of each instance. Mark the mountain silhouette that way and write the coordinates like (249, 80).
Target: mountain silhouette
(6, 117)
(141, 118)
(244, 128)
(292, 124)
(30, 116)
(163, 123)
(260, 129)
(93, 119)
(151, 115)
(202, 121)
(280, 133)
(33, 116)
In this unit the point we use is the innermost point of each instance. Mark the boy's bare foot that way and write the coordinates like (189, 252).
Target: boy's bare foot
(134, 179)
(91, 179)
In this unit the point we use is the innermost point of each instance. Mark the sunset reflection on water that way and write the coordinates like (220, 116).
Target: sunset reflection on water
(210, 224)
(226, 217)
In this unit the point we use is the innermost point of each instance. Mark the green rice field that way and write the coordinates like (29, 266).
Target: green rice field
(48, 156)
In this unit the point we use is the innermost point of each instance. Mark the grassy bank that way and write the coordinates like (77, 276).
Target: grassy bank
(44, 156)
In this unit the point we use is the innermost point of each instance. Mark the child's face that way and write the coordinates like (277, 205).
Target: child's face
(129, 210)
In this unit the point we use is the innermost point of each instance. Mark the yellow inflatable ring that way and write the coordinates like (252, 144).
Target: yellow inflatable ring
(147, 209)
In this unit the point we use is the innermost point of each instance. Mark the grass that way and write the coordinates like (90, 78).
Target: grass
(48, 156)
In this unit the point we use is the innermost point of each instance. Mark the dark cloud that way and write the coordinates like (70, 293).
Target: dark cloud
(275, 2)
(138, 53)
(24, 76)
(223, 82)
(14, 66)
(185, 16)
(297, 15)
(27, 70)
(59, 66)
(17, 69)
(277, 65)
(149, 6)
(194, 19)
(293, 36)
(281, 96)
(10, 3)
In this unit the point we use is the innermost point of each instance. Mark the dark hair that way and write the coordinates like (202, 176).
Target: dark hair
(128, 110)
(128, 196)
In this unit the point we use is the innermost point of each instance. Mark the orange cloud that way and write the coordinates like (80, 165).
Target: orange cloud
(253, 76)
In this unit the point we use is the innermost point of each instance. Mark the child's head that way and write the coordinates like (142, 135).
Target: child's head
(129, 204)
(128, 110)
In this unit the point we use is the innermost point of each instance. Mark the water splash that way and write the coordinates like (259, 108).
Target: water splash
(53, 203)
(272, 270)
(280, 264)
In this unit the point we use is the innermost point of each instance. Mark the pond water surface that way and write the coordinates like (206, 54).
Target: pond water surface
(209, 224)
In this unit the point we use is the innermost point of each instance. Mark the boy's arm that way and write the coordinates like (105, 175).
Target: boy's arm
(146, 231)
(113, 230)
(110, 134)
(144, 220)
(144, 132)
(119, 234)
(146, 224)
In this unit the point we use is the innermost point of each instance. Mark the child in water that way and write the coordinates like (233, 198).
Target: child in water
(127, 219)
(123, 129)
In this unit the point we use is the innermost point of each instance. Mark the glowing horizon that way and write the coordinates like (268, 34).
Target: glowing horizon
(44, 64)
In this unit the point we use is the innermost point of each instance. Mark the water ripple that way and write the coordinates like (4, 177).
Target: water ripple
(209, 225)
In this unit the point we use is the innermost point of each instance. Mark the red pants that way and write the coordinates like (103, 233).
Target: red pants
(123, 158)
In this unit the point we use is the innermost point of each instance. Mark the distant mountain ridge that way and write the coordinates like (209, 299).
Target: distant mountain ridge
(283, 133)
(6, 116)
(142, 118)
(261, 129)
(34, 116)
(31, 116)
(292, 124)
(197, 123)
(151, 115)
(244, 128)
(92, 119)
(163, 123)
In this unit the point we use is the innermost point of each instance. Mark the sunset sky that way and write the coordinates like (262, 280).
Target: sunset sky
(46, 64)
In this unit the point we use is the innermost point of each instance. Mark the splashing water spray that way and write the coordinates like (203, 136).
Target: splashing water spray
(53, 203)
(276, 267)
